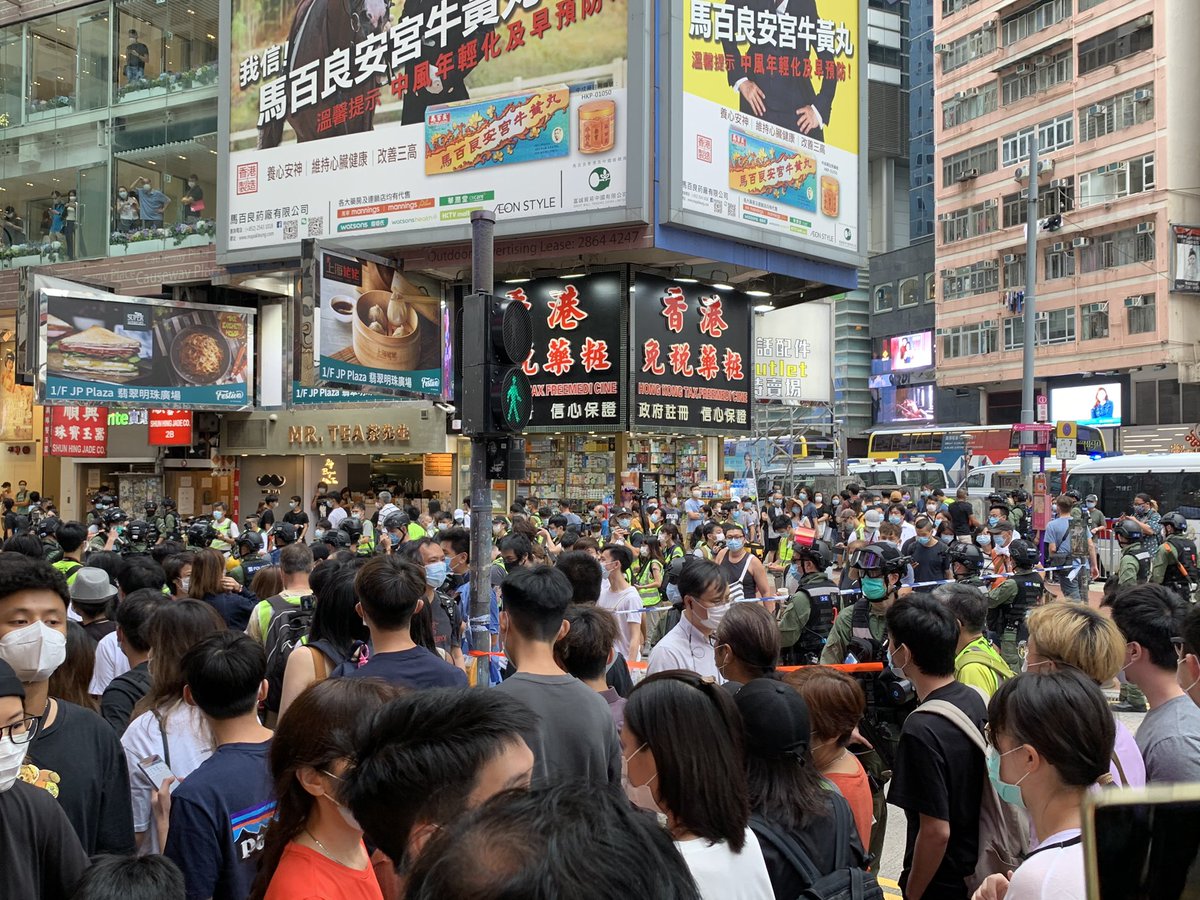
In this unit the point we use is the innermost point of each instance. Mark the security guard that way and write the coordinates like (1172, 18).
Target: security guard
(807, 617)
(1175, 563)
(966, 564)
(1010, 602)
(1134, 569)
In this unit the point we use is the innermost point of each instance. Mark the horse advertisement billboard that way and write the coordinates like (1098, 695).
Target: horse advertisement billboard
(765, 123)
(349, 119)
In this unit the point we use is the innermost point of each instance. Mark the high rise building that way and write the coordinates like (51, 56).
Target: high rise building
(1118, 167)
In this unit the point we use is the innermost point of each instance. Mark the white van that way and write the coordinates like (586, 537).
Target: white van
(1171, 479)
(1002, 477)
(898, 474)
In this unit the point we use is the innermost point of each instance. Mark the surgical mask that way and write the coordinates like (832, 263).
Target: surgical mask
(1009, 793)
(673, 594)
(946, 538)
(931, 507)
(873, 588)
(714, 615)
(34, 651)
(624, 523)
(896, 670)
(640, 795)
(993, 521)
(1026, 665)
(218, 515)
(435, 573)
(320, 532)
(819, 498)
(907, 497)
(1187, 688)
(795, 510)
(185, 583)
(291, 504)
(695, 495)
(926, 539)
(12, 755)
(735, 544)
(123, 194)
(837, 501)
(803, 497)
(498, 530)
(1001, 540)
(655, 517)
(643, 551)
(984, 540)
(895, 520)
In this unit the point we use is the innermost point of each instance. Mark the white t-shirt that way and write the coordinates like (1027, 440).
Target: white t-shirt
(626, 605)
(722, 874)
(1055, 873)
(190, 745)
(111, 661)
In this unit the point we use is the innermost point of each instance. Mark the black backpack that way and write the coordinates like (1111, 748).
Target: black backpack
(287, 631)
(845, 881)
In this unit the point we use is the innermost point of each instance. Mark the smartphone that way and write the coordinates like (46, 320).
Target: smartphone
(1143, 843)
(155, 769)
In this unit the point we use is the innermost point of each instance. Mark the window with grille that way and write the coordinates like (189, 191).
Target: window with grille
(1093, 321)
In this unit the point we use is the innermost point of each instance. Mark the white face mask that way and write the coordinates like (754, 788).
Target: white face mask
(11, 756)
(34, 651)
(185, 583)
(715, 614)
(640, 795)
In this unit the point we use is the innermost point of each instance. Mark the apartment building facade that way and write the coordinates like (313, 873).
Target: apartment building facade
(1118, 137)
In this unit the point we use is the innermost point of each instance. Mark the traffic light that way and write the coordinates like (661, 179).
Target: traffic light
(497, 339)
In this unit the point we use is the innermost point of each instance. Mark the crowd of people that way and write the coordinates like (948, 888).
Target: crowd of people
(672, 701)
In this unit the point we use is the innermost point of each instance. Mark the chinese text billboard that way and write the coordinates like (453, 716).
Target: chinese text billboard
(133, 351)
(75, 431)
(792, 359)
(377, 328)
(766, 120)
(578, 359)
(170, 427)
(350, 120)
(691, 358)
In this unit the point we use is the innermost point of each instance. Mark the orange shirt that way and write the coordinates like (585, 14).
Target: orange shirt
(857, 791)
(305, 874)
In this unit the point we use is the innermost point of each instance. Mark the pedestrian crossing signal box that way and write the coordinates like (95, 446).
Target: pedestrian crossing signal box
(497, 338)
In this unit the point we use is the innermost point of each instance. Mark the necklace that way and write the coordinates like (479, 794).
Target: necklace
(312, 837)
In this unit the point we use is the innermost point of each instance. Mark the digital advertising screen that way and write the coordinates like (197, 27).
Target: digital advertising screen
(902, 353)
(1089, 404)
(912, 403)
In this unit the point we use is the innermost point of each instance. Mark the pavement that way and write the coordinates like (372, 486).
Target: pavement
(893, 844)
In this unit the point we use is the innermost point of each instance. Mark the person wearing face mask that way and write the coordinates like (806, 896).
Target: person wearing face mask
(192, 201)
(897, 517)
(1094, 516)
(966, 563)
(1149, 522)
(648, 569)
(939, 768)
(40, 854)
(705, 595)
(746, 646)
(73, 749)
(226, 528)
(807, 616)
(1002, 539)
(693, 514)
(745, 573)
(127, 211)
(1075, 636)
(70, 222)
(1188, 667)
(878, 569)
(1051, 737)
(315, 845)
(930, 557)
(1175, 562)
(707, 541)
(621, 599)
(447, 617)
(1150, 618)
(682, 730)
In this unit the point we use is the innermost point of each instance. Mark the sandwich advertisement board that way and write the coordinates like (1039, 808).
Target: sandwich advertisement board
(132, 351)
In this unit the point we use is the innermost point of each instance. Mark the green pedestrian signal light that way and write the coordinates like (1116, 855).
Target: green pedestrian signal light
(497, 397)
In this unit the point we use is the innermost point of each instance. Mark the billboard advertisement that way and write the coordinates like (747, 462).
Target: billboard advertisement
(577, 365)
(765, 122)
(911, 403)
(134, 351)
(691, 350)
(1185, 249)
(16, 399)
(792, 355)
(377, 328)
(1089, 404)
(903, 353)
(350, 120)
(75, 431)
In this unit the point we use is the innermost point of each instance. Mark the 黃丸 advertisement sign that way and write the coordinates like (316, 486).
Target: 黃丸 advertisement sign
(577, 365)
(133, 351)
(690, 358)
(1185, 246)
(764, 122)
(377, 328)
(359, 118)
(792, 358)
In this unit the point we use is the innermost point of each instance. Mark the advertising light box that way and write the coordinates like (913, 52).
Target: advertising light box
(1091, 404)
(407, 117)
(903, 353)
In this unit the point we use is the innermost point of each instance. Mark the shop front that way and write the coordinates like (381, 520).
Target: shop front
(289, 453)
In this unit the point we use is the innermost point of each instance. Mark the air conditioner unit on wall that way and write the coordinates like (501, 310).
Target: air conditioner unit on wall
(1010, 258)
(1058, 247)
(1022, 69)
(1021, 173)
(1142, 95)
(968, 174)
(1081, 242)
(1145, 228)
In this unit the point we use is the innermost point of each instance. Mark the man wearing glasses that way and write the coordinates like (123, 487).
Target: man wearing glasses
(39, 852)
(705, 594)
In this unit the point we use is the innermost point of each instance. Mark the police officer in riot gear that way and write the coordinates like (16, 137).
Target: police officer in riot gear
(138, 535)
(966, 564)
(168, 522)
(1175, 563)
(807, 617)
(1135, 558)
(47, 529)
(200, 533)
(250, 557)
(1011, 601)
(112, 534)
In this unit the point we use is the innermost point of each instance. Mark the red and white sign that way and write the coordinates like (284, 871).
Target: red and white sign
(170, 428)
(76, 431)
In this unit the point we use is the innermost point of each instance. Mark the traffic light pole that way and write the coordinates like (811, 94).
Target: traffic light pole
(1030, 312)
(483, 224)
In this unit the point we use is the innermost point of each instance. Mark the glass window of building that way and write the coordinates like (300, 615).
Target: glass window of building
(164, 48)
(67, 63)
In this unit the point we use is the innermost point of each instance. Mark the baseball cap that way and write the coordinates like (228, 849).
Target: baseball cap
(775, 717)
(873, 518)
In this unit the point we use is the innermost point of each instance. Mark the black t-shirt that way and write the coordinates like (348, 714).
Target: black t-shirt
(960, 516)
(93, 781)
(447, 621)
(266, 518)
(138, 61)
(40, 855)
(100, 629)
(929, 563)
(413, 668)
(939, 773)
(122, 695)
(818, 840)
